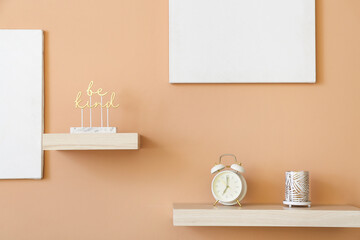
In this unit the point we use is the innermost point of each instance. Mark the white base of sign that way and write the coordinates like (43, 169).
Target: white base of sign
(93, 130)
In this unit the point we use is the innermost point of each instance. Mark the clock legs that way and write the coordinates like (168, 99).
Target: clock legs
(236, 201)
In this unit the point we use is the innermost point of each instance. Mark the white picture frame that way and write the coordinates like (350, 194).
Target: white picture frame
(242, 41)
(21, 104)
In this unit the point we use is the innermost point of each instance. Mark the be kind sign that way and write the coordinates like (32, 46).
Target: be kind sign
(91, 100)
(242, 41)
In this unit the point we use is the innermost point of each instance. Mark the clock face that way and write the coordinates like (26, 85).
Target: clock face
(226, 186)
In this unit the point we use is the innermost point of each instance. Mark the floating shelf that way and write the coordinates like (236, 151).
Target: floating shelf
(91, 141)
(266, 216)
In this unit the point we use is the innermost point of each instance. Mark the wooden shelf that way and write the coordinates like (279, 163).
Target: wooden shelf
(265, 216)
(91, 141)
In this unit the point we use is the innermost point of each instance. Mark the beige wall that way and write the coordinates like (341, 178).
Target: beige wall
(272, 128)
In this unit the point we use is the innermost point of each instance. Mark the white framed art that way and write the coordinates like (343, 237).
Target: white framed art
(242, 41)
(21, 104)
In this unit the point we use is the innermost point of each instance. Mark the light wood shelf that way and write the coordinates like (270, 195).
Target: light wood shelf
(266, 216)
(91, 141)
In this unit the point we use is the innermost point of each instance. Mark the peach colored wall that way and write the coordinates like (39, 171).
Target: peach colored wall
(123, 45)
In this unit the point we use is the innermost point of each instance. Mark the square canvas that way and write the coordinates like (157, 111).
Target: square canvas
(242, 41)
(21, 104)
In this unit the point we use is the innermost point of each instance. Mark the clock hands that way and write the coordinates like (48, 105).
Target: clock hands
(227, 185)
(225, 190)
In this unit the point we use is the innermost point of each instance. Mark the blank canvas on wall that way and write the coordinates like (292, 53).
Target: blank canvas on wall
(21, 104)
(242, 41)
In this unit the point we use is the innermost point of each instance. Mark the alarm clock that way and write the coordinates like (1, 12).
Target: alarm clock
(228, 185)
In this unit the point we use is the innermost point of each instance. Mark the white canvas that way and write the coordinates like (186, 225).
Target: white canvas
(242, 41)
(21, 104)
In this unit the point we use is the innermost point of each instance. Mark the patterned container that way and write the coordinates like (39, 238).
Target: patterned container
(297, 188)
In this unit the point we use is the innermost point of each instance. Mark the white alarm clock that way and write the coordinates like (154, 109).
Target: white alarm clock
(228, 185)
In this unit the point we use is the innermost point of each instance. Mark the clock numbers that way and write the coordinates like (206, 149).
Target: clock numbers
(227, 186)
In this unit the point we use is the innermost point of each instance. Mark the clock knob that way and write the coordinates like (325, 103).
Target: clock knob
(217, 167)
(238, 167)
